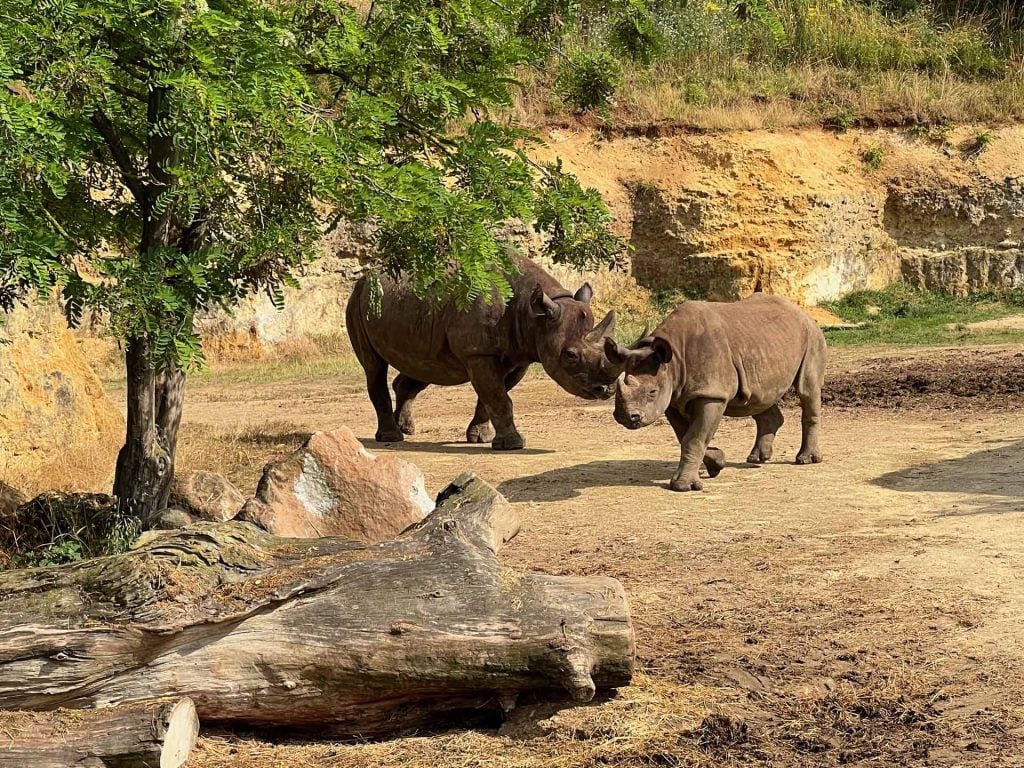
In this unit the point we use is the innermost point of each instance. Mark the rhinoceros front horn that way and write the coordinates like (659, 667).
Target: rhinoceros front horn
(603, 329)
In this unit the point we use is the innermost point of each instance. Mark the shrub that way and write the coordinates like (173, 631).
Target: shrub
(634, 33)
(873, 158)
(588, 81)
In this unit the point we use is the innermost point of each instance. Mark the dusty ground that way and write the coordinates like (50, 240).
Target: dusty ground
(865, 611)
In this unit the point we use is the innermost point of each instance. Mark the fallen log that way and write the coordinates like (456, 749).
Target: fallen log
(158, 734)
(327, 634)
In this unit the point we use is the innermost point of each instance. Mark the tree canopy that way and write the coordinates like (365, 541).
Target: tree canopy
(161, 157)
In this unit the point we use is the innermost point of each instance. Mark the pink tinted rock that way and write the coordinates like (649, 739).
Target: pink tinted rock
(332, 486)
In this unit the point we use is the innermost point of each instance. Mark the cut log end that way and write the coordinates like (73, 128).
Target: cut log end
(149, 733)
(181, 731)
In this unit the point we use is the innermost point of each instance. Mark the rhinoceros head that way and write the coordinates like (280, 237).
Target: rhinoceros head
(571, 347)
(645, 389)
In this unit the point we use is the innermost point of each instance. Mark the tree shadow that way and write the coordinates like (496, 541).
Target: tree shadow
(992, 472)
(413, 445)
(564, 483)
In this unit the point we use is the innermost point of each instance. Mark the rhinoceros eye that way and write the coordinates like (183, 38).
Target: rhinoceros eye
(572, 356)
(653, 393)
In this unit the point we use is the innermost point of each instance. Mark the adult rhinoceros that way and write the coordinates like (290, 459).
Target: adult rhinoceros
(491, 346)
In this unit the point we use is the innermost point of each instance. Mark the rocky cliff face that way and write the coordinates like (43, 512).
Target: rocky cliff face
(812, 215)
(808, 214)
(51, 402)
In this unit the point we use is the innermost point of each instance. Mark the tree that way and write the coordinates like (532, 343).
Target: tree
(163, 157)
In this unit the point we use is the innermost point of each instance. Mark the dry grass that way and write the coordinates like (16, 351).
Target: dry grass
(649, 723)
(86, 468)
(666, 96)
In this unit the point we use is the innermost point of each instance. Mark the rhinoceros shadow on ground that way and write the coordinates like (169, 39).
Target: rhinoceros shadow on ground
(994, 477)
(445, 446)
(566, 482)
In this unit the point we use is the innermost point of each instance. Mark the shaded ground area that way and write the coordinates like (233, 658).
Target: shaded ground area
(865, 611)
(946, 379)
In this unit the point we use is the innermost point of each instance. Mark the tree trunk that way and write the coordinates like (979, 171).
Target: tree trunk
(324, 634)
(159, 734)
(145, 464)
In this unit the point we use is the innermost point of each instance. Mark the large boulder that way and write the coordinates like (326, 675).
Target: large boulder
(332, 486)
(206, 496)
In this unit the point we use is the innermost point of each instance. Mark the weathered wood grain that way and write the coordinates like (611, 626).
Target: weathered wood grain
(325, 634)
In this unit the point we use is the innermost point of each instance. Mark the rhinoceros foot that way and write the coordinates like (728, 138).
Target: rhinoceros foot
(686, 484)
(480, 433)
(510, 442)
(714, 461)
(808, 457)
(406, 424)
(759, 455)
(389, 436)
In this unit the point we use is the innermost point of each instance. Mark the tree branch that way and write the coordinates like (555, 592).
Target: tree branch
(129, 173)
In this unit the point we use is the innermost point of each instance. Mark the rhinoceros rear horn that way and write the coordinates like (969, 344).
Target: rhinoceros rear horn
(543, 305)
(603, 329)
(585, 293)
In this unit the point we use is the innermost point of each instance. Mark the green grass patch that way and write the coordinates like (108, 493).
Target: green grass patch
(902, 316)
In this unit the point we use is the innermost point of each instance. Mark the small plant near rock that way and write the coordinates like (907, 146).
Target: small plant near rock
(974, 146)
(588, 81)
(57, 528)
(873, 158)
(842, 120)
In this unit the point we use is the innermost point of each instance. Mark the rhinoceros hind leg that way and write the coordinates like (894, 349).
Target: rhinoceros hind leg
(376, 368)
(768, 423)
(810, 403)
(406, 389)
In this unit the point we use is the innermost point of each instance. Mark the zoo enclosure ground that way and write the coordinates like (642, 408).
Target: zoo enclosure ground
(865, 611)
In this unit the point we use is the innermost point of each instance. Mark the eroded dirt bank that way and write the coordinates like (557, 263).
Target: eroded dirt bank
(813, 214)
(809, 214)
(865, 611)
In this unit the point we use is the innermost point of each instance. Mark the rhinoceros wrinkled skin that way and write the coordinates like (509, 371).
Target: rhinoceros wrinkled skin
(710, 359)
(491, 345)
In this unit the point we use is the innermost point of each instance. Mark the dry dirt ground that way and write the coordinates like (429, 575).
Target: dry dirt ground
(865, 611)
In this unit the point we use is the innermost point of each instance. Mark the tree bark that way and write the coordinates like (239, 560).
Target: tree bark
(325, 634)
(145, 464)
(158, 734)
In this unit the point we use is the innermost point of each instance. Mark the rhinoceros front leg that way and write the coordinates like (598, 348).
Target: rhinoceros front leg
(768, 423)
(479, 429)
(714, 458)
(704, 416)
(488, 379)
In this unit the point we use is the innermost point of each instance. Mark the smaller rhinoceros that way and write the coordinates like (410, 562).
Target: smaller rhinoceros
(710, 359)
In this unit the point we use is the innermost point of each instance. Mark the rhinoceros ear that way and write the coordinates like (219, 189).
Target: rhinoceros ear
(662, 349)
(585, 293)
(616, 355)
(544, 306)
(603, 329)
